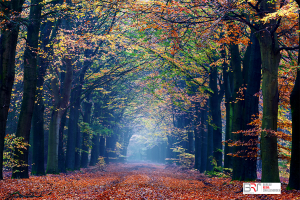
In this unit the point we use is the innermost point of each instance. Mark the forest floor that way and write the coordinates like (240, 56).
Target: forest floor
(130, 181)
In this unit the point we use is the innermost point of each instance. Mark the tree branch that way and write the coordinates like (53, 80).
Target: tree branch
(288, 48)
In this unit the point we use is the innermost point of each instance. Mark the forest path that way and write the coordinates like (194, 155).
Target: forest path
(130, 181)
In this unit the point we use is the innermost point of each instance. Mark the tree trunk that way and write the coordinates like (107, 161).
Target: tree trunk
(85, 135)
(52, 162)
(60, 105)
(270, 57)
(190, 133)
(95, 152)
(210, 139)
(48, 33)
(126, 138)
(8, 43)
(252, 74)
(198, 139)
(215, 109)
(72, 127)
(95, 149)
(294, 180)
(110, 148)
(209, 164)
(30, 76)
(229, 105)
(77, 148)
(237, 121)
(203, 139)
(61, 153)
(38, 137)
(102, 146)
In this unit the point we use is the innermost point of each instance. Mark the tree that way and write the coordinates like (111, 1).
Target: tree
(60, 101)
(11, 14)
(48, 32)
(270, 57)
(30, 76)
(294, 180)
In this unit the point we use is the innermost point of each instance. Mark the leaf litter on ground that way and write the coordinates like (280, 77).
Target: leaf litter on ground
(131, 181)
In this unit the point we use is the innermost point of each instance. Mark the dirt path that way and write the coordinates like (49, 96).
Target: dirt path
(130, 181)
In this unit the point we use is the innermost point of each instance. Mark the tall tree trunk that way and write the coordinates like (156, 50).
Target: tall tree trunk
(48, 33)
(209, 164)
(198, 138)
(215, 109)
(210, 139)
(38, 137)
(52, 161)
(30, 76)
(270, 57)
(72, 127)
(252, 74)
(102, 146)
(270, 62)
(294, 180)
(95, 140)
(237, 121)
(74, 136)
(110, 148)
(85, 135)
(190, 132)
(95, 149)
(61, 153)
(229, 105)
(77, 148)
(203, 138)
(60, 105)
(8, 43)
(126, 138)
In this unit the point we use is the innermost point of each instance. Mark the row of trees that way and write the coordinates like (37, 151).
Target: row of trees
(70, 59)
(171, 68)
(227, 47)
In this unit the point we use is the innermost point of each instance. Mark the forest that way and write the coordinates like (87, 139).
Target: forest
(182, 98)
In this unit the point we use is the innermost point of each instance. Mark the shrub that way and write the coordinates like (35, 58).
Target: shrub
(101, 163)
(11, 143)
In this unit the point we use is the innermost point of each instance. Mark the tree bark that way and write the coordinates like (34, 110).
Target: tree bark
(8, 43)
(77, 148)
(48, 33)
(237, 121)
(215, 109)
(190, 132)
(270, 57)
(210, 138)
(61, 153)
(95, 149)
(72, 127)
(95, 140)
(252, 74)
(30, 77)
(294, 179)
(229, 106)
(60, 105)
(102, 146)
(203, 139)
(85, 135)
(52, 160)
(198, 138)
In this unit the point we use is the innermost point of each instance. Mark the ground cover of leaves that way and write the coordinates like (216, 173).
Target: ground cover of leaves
(130, 181)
